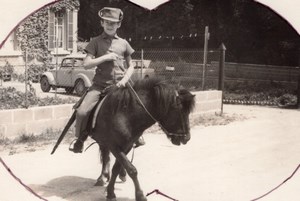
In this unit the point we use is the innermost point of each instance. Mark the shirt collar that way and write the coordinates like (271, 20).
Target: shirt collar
(106, 36)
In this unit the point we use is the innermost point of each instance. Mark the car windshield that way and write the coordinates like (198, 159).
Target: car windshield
(78, 62)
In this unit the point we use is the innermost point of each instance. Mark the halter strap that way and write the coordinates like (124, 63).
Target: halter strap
(153, 118)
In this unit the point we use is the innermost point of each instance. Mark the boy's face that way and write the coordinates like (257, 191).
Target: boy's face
(110, 27)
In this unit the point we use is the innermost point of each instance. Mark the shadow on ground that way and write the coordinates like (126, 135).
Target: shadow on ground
(73, 188)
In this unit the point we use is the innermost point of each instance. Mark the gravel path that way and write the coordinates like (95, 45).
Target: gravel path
(236, 162)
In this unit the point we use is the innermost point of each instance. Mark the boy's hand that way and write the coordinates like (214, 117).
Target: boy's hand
(121, 83)
(111, 57)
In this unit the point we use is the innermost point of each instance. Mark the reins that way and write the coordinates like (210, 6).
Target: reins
(147, 111)
(153, 118)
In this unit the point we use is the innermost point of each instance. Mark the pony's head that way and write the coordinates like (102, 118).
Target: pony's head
(173, 109)
(169, 106)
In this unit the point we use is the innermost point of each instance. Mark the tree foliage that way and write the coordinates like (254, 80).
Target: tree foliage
(251, 32)
(32, 34)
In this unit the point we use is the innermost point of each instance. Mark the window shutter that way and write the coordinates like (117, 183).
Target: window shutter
(51, 30)
(70, 30)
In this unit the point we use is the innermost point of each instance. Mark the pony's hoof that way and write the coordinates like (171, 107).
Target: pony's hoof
(100, 183)
(111, 199)
(123, 178)
(142, 199)
(140, 196)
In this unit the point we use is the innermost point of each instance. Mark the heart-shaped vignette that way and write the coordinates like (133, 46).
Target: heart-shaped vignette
(149, 4)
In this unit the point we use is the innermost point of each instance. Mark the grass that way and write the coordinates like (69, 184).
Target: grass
(31, 142)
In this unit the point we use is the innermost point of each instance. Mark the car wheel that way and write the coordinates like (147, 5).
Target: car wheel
(69, 90)
(80, 88)
(45, 85)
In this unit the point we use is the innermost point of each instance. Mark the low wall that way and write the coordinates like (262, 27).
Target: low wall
(16, 122)
(207, 102)
(36, 120)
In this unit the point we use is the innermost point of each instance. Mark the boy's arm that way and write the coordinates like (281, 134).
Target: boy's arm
(128, 72)
(90, 61)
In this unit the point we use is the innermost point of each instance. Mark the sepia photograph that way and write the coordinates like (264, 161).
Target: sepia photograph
(137, 100)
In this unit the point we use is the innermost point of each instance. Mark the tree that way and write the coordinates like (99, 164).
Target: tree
(251, 32)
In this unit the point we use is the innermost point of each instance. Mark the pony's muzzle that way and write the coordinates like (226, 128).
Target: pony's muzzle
(178, 140)
(186, 138)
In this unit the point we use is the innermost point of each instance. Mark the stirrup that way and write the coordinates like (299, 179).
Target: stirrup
(77, 146)
(139, 142)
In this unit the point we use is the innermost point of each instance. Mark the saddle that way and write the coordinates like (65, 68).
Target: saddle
(91, 118)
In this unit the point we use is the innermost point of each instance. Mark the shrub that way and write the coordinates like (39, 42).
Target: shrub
(270, 93)
(35, 72)
(7, 68)
(15, 99)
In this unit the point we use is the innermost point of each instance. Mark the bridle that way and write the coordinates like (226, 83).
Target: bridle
(178, 106)
(178, 103)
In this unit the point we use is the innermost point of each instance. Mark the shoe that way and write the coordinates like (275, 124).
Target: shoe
(139, 142)
(77, 147)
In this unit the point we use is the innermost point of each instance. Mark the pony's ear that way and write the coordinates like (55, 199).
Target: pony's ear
(190, 96)
(179, 87)
(187, 96)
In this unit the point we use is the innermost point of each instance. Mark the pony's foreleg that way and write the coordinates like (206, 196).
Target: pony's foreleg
(105, 172)
(132, 172)
(122, 174)
(111, 185)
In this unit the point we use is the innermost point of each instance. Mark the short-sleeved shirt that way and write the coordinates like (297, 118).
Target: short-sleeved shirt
(109, 72)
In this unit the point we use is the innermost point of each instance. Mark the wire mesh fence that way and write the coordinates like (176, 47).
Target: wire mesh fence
(181, 67)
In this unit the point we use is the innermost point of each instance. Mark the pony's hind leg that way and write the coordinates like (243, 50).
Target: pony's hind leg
(105, 172)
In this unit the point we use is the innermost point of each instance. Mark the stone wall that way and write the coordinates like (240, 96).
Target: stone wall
(16, 122)
(36, 120)
(208, 102)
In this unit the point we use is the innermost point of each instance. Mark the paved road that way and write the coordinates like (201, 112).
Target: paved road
(237, 162)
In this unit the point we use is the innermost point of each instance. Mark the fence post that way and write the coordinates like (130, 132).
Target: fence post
(221, 72)
(26, 79)
(142, 62)
(206, 38)
(298, 90)
(221, 67)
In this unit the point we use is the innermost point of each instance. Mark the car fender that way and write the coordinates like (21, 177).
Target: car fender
(50, 78)
(87, 81)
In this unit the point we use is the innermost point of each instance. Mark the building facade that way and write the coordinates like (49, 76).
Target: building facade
(62, 30)
(62, 39)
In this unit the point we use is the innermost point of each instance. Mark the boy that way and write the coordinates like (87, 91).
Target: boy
(107, 52)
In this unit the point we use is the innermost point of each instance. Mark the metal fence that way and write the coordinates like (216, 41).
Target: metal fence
(190, 68)
(182, 67)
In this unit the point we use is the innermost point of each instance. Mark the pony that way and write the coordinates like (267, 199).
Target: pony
(127, 112)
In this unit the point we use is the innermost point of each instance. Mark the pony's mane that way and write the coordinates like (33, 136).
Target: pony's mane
(161, 94)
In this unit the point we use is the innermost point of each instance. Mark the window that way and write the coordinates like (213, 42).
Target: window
(67, 63)
(78, 62)
(59, 30)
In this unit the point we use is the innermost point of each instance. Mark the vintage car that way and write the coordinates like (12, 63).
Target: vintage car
(71, 75)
